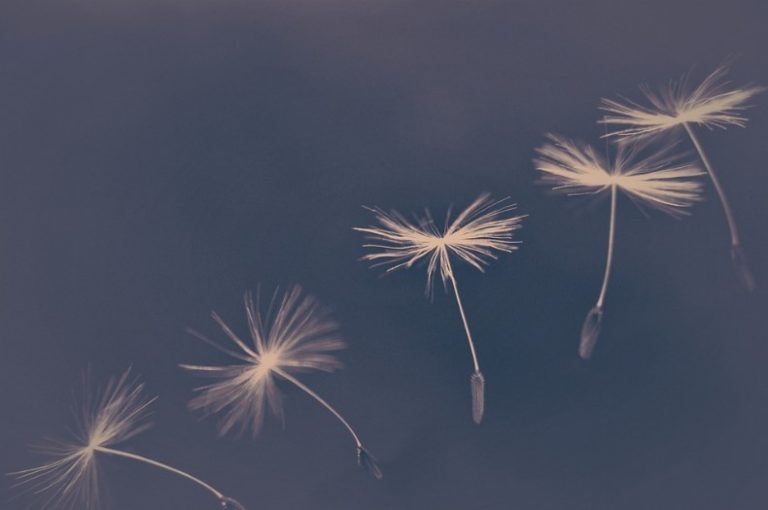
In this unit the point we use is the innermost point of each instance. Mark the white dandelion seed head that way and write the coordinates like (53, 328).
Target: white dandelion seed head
(713, 104)
(657, 179)
(70, 478)
(295, 334)
(475, 235)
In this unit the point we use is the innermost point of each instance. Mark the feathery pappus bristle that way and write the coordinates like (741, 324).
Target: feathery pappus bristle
(713, 103)
(658, 179)
(474, 236)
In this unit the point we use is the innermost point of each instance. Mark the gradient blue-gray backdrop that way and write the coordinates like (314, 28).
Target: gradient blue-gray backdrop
(159, 157)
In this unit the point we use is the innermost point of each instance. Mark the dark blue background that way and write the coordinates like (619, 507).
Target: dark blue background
(160, 157)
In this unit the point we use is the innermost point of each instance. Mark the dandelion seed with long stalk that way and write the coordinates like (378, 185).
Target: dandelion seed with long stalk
(713, 104)
(105, 420)
(296, 334)
(474, 236)
(659, 181)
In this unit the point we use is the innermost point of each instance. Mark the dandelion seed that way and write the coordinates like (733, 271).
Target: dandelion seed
(713, 104)
(106, 420)
(296, 334)
(474, 236)
(657, 181)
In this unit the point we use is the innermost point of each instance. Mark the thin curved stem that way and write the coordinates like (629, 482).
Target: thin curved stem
(166, 467)
(472, 350)
(322, 401)
(477, 380)
(609, 261)
(735, 242)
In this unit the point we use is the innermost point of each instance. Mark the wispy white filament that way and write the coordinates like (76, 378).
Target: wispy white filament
(657, 180)
(480, 230)
(713, 104)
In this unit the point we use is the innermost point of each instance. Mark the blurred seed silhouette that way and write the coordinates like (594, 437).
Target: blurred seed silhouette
(105, 420)
(231, 504)
(483, 228)
(296, 334)
(713, 104)
(657, 180)
(368, 462)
